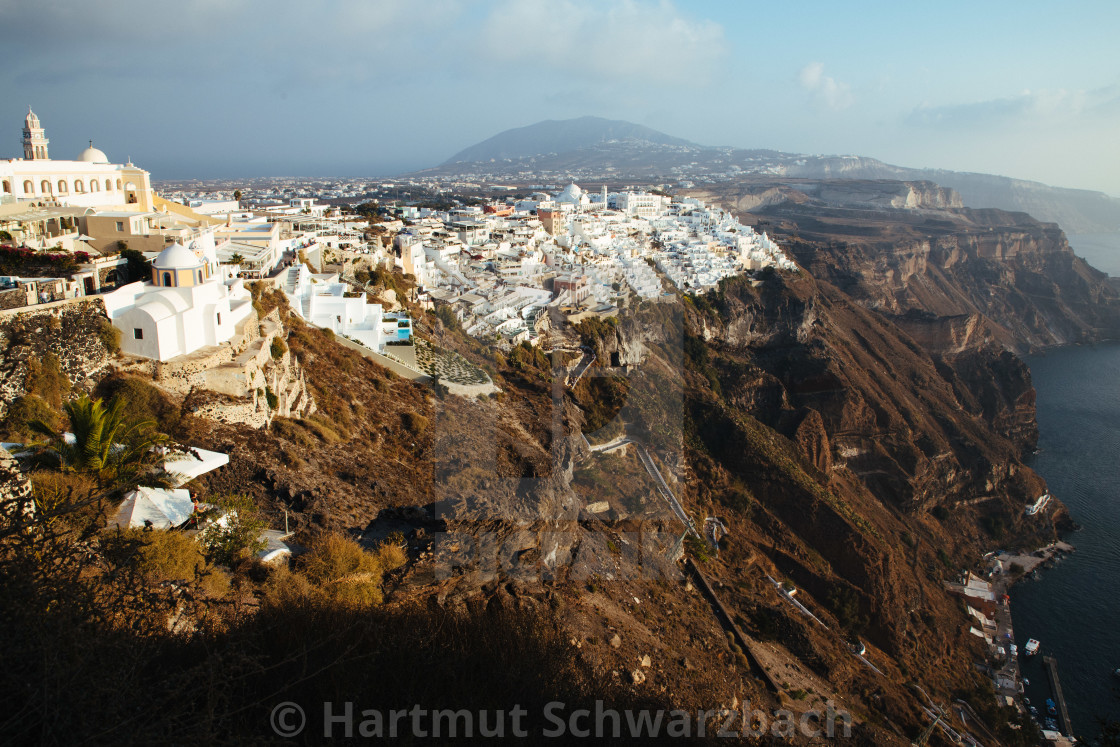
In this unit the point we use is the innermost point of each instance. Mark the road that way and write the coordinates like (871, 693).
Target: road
(663, 488)
(581, 368)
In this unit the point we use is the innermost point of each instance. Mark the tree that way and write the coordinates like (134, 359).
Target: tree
(237, 195)
(236, 259)
(103, 444)
(238, 533)
(139, 268)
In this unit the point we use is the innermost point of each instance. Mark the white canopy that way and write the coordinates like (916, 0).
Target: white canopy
(163, 508)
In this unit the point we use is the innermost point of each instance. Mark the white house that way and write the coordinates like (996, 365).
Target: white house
(322, 301)
(186, 306)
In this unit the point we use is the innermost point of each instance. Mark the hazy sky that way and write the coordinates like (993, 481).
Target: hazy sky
(198, 88)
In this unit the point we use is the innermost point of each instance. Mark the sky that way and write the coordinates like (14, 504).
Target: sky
(229, 88)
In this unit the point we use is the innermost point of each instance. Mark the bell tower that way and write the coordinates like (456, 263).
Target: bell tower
(34, 140)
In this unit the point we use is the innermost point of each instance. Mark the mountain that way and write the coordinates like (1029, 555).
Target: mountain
(552, 137)
(591, 148)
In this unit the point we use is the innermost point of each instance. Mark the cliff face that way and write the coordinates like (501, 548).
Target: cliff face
(1016, 275)
(844, 455)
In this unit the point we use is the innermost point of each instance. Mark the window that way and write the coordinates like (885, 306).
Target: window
(219, 318)
(138, 334)
(167, 279)
(94, 185)
(120, 226)
(28, 188)
(79, 187)
(108, 185)
(7, 187)
(46, 187)
(62, 188)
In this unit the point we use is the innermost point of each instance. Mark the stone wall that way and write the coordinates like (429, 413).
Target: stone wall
(13, 298)
(15, 488)
(70, 330)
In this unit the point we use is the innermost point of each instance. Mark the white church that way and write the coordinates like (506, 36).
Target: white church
(190, 303)
(88, 181)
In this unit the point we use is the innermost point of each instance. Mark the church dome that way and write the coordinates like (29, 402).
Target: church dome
(93, 155)
(177, 257)
(571, 193)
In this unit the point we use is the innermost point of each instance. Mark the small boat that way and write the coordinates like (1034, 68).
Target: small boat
(1051, 707)
(1032, 647)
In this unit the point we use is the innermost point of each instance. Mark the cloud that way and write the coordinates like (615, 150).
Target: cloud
(825, 89)
(1027, 108)
(640, 43)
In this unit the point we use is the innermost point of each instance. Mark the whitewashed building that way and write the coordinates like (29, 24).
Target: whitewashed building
(187, 305)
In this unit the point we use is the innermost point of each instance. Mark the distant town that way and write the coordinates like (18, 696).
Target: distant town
(497, 255)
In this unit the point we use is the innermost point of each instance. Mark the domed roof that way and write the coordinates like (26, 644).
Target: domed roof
(571, 193)
(177, 257)
(93, 155)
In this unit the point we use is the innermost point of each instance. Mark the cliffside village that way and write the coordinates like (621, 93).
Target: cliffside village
(171, 275)
(498, 266)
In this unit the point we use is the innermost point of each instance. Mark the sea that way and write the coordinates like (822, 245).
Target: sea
(1101, 250)
(1073, 609)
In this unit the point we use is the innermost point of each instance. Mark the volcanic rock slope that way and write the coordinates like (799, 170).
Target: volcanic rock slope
(859, 427)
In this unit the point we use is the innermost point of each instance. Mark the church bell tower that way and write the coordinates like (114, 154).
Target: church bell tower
(34, 141)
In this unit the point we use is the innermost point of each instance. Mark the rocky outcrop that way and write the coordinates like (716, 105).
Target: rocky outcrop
(71, 331)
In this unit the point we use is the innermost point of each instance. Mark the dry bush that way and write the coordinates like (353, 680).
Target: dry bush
(46, 379)
(391, 556)
(25, 410)
(344, 571)
(146, 402)
(414, 423)
(177, 556)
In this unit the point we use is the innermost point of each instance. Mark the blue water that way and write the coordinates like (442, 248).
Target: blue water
(1101, 250)
(1074, 608)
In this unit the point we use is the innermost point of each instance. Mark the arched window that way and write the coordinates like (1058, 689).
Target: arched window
(28, 187)
(108, 185)
(167, 279)
(46, 187)
(62, 189)
(200, 277)
(94, 186)
(79, 187)
(118, 183)
(7, 187)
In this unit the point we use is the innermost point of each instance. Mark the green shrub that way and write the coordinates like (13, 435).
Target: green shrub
(25, 410)
(240, 537)
(109, 335)
(271, 398)
(278, 348)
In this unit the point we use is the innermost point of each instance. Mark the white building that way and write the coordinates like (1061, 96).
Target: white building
(88, 181)
(187, 305)
(322, 301)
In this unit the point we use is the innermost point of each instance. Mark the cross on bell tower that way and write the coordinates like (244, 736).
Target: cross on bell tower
(34, 140)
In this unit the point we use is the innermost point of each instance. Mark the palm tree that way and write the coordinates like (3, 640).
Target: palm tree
(236, 259)
(103, 443)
